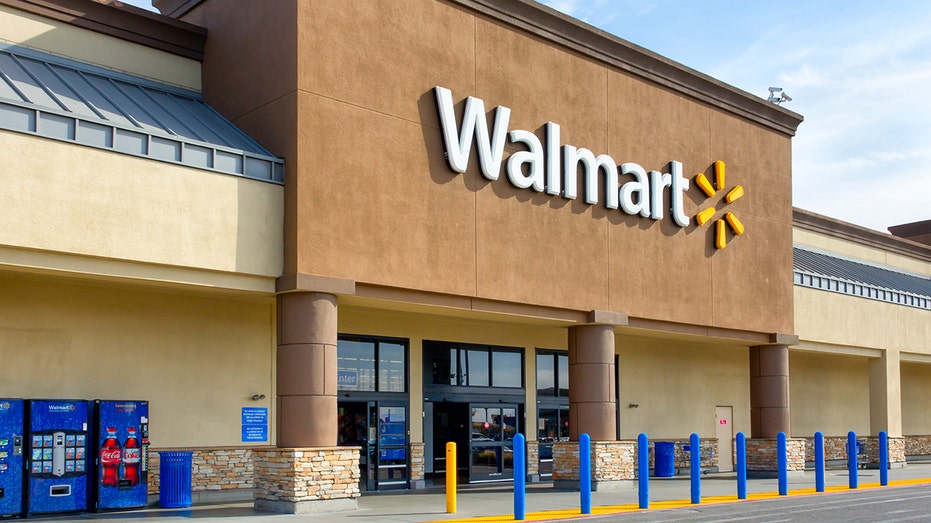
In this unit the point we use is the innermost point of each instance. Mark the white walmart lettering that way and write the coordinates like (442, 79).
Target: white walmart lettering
(541, 167)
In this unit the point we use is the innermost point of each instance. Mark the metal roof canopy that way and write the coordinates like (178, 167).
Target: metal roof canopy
(901, 286)
(71, 101)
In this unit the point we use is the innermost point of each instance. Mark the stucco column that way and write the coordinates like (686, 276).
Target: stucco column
(769, 391)
(306, 369)
(592, 407)
(886, 395)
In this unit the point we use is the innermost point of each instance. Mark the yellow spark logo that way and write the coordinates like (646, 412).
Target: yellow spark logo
(720, 237)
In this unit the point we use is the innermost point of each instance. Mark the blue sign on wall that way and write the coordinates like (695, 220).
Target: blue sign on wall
(254, 424)
(254, 416)
(251, 433)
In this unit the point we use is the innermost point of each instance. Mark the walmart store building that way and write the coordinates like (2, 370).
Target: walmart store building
(397, 224)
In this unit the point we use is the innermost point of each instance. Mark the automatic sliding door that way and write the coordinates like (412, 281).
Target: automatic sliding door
(491, 448)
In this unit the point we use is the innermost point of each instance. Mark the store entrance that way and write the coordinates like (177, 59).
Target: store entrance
(380, 428)
(484, 435)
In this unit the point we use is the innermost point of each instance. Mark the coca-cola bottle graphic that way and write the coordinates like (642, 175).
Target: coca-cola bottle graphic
(110, 457)
(132, 455)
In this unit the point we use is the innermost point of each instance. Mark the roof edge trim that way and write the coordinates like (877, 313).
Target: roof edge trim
(122, 21)
(814, 222)
(549, 24)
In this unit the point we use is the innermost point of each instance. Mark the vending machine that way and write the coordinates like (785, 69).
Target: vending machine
(121, 438)
(57, 452)
(12, 423)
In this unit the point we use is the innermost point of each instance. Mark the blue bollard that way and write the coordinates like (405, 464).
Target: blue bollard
(741, 466)
(819, 462)
(883, 458)
(520, 478)
(585, 472)
(695, 467)
(783, 464)
(643, 470)
(852, 459)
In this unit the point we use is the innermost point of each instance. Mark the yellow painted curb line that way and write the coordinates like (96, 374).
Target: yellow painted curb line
(575, 513)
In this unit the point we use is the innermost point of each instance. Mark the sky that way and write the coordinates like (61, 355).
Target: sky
(858, 71)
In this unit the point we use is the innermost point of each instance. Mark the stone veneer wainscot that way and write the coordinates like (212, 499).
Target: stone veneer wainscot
(307, 480)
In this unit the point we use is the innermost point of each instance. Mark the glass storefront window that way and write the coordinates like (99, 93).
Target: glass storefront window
(371, 365)
(473, 365)
(546, 376)
(355, 361)
(506, 369)
(476, 371)
(562, 363)
(552, 374)
(391, 367)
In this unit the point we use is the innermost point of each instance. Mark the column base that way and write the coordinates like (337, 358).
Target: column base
(418, 473)
(306, 480)
(763, 460)
(613, 464)
(870, 452)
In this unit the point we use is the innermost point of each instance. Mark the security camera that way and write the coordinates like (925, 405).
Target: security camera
(786, 97)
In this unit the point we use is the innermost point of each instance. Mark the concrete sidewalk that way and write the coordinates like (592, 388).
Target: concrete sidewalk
(487, 501)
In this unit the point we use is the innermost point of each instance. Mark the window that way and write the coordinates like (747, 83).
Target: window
(552, 374)
(371, 364)
(465, 365)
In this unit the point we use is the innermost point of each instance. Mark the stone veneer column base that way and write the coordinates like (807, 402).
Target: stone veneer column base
(417, 466)
(533, 461)
(612, 465)
(896, 452)
(763, 461)
(306, 480)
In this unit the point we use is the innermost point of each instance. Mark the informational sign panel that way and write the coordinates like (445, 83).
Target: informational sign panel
(254, 424)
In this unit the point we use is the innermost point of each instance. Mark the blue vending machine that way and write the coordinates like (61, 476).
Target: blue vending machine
(57, 452)
(121, 439)
(12, 425)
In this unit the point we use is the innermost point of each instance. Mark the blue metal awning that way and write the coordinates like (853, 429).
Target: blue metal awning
(823, 271)
(67, 100)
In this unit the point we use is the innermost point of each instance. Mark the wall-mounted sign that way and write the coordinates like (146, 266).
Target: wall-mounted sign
(254, 424)
(551, 167)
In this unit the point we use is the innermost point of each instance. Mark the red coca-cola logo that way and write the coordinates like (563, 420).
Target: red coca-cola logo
(110, 456)
(132, 455)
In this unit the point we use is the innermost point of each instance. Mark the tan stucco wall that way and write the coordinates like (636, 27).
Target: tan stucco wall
(833, 318)
(677, 385)
(916, 396)
(372, 199)
(830, 394)
(859, 251)
(62, 39)
(64, 198)
(397, 202)
(197, 359)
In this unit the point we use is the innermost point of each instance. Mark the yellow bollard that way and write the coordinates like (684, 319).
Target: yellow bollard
(451, 470)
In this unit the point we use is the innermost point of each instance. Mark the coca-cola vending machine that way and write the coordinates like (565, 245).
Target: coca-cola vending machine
(121, 428)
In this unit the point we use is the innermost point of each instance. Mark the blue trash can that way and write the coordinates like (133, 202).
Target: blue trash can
(175, 471)
(664, 459)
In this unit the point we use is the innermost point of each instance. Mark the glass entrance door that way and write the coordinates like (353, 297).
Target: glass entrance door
(392, 460)
(491, 444)
(380, 428)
